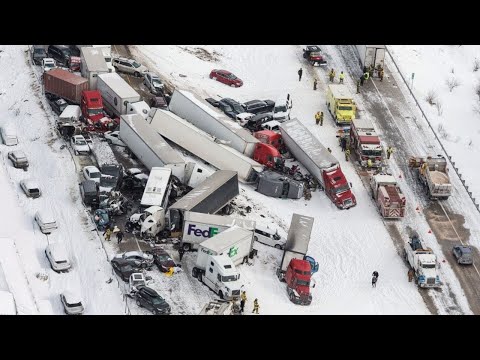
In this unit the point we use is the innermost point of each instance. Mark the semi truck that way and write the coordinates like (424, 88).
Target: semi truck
(296, 268)
(423, 262)
(209, 197)
(279, 185)
(158, 188)
(371, 55)
(116, 93)
(152, 150)
(107, 54)
(340, 104)
(203, 145)
(92, 64)
(139, 107)
(198, 112)
(432, 171)
(365, 142)
(112, 171)
(271, 138)
(65, 84)
(220, 255)
(198, 227)
(387, 196)
(319, 162)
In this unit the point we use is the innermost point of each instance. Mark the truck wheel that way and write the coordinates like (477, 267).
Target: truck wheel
(200, 276)
(220, 293)
(136, 74)
(109, 142)
(405, 254)
(138, 303)
(194, 272)
(291, 296)
(278, 246)
(186, 247)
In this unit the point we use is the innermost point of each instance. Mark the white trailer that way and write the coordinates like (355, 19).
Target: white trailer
(371, 55)
(157, 190)
(198, 112)
(203, 145)
(140, 107)
(198, 227)
(152, 150)
(107, 54)
(117, 95)
(93, 64)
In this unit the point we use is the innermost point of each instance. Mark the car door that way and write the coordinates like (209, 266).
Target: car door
(455, 252)
(127, 67)
(87, 174)
(222, 78)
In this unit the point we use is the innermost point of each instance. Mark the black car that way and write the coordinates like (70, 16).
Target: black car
(38, 53)
(259, 106)
(89, 193)
(212, 102)
(254, 124)
(159, 102)
(112, 176)
(230, 107)
(56, 103)
(124, 268)
(163, 260)
(151, 300)
(61, 53)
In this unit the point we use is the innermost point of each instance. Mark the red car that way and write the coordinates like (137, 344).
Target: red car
(226, 77)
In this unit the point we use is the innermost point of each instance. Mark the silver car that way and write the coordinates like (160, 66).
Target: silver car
(140, 258)
(18, 159)
(153, 83)
(463, 254)
(129, 66)
(72, 303)
(30, 188)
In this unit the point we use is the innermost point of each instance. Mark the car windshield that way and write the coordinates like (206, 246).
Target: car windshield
(281, 108)
(466, 250)
(49, 65)
(39, 51)
(303, 282)
(238, 109)
(231, 77)
(156, 82)
(62, 262)
(157, 300)
(98, 111)
(342, 189)
(349, 108)
(428, 266)
(136, 65)
(34, 191)
(376, 153)
(95, 175)
(107, 181)
(229, 278)
(276, 236)
(74, 305)
(80, 142)
(163, 258)
(315, 53)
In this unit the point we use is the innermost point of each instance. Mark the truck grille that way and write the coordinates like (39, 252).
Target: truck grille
(431, 281)
(237, 292)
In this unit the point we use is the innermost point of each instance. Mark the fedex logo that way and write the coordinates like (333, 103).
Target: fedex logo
(212, 231)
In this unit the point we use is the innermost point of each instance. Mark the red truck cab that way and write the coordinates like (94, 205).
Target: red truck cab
(268, 155)
(365, 142)
(338, 189)
(298, 277)
(92, 105)
(271, 138)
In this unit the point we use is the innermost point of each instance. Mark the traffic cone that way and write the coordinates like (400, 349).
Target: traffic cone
(418, 208)
(429, 231)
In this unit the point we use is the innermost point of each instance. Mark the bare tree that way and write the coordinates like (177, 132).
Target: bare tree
(442, 132)
(477, 91)
(452, 83)
(431, 97)
(439, 107)
(476, 65)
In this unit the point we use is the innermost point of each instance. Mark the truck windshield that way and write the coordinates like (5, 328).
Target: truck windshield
(229, 278)
(349, 108)
(98, 111)
(376, 153)
(276, 236)
(342, 189)
(428, 266)
(303, 282)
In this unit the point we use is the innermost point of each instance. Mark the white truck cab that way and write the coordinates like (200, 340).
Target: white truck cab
(151, 221)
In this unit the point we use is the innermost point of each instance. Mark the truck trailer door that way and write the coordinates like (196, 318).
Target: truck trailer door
(379, 57)
(369, 56)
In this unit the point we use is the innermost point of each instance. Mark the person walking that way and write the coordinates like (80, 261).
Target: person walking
(411, 274)
(317, 117)
(331, 75)
(358, 86)
(170, 271)
(300, 72)
(181, 252)
(366, 76)
(341, 77)
(255, 306)
(374, 278)
(362, 80)
(315, 84)
(329, 150)
(107, 233)
(369, 163)
(371, 70)
(389, 152)
(347, 154)
(343, 143)
(321, 118)
(243, 300)
(119, 236)
(380, 74)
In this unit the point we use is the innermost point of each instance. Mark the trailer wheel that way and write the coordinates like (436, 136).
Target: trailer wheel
(291, 296)
(186, 247)
(277, 246)
(200, 276)
(405, 254)
(136, 74)
(194, 272)
(138, 303)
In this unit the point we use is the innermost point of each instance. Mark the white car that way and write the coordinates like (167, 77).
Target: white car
(129, 66)
(269, 236)
(46, 221)
(141, 259)
(72, 303)
(48, 64)
(243, 118)
(31, 188)
(57, 256)
(79, 145)
(113, 138)
(92, 173)
(273, 125)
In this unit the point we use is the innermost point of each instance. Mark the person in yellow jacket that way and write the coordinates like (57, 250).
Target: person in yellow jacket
(389, 152)
(369, 163)
(347, 154)
(341, 77)
(366, 75)
(243, 300)
(170, 271)
(317, 117)
(107, 234)
(331, 75)
(255, 306)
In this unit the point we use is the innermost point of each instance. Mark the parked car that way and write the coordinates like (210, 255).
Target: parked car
(129, 66)
(134, 179)
(212, 102)
(151, 300)
(18, 159)
(56, 103)
(72, 303)
(46, 221)
(463, 254)
(243, 118)
(9, 135)
(259, 106)
(92, 173)
(30, 188)
(124, 268)
(141, 258)
(89, 193)
(48, 64)
(79, 145)
(273, 125)
(163, 260)
(61, 53)
(38, 54)
(159, 102)
(153, 83)
(230, 107)
(58, 258)
(254, 124)
(226, 77)
(268, 236)
(113, 138)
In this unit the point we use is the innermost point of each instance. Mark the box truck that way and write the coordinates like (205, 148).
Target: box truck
(107, 54)
(92, 64)
(158, 187)
(116, 93)
(371, 55)
(65, 85)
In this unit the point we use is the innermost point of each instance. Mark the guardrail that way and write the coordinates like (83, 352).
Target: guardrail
(449, 157)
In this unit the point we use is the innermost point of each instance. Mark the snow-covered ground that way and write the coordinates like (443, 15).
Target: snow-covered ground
(38, 287)
(456, 113)
(349, 245)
